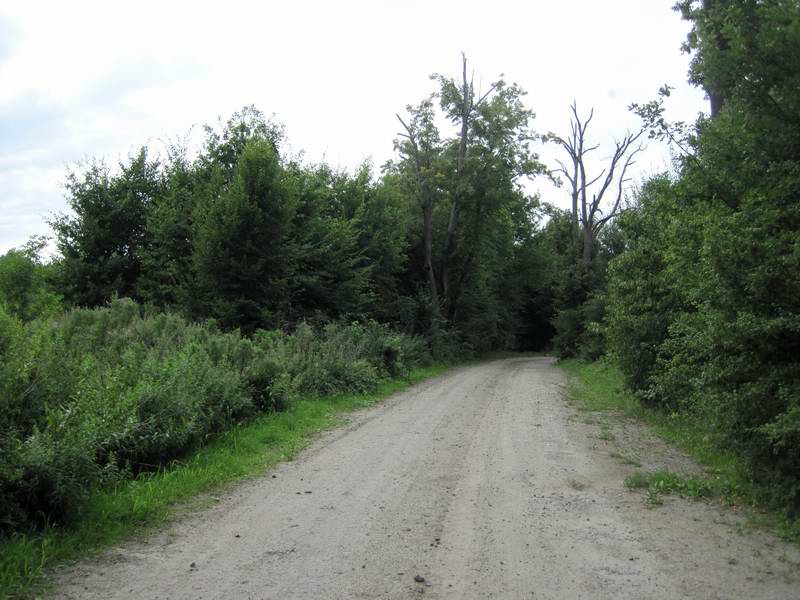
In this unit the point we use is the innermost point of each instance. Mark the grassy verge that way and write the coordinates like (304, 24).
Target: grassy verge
(112, 515)
(598, 387)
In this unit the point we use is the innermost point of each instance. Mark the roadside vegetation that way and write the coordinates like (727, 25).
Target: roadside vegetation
(206, 303)
(111, 512)
(695, 305)
(105, 394)
(598, 387)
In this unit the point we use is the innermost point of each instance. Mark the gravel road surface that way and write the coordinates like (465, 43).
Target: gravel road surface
(481, 483)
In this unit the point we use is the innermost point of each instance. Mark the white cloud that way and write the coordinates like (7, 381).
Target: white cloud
(96, 79)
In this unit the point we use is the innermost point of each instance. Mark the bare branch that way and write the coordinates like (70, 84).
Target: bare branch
(620, 184)
(588, 213)
(492, 88)
(596, 179)
(405, 126)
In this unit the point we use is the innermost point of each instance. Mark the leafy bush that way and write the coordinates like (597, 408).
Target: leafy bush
(704, 318)
(105, 393)
(580, 330)
(569, 326)
(704, 313)
(592, 342)
(645, 294)
(23, 283)
(339, 358)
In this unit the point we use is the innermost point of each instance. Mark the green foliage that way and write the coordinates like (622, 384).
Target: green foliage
(661, 483)
(476, 222)
(745, 52)
(112, 513)
(331, 272)
(569, 325)
(239, 235)
(239, 242)
(571, 294)
(101, 394)
(247, 237)
(102, 242)
(580, 331)
(704, 301)
(24, 288)
(643, 296)
(167, 279)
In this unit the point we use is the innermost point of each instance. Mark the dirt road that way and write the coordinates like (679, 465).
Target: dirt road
(483, 483)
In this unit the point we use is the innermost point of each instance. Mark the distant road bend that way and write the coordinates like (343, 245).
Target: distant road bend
(480, 484)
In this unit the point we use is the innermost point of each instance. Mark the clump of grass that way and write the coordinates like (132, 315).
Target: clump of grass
(659, 483)
(626, 459)
(112, 514)
(637, 481)
(605, 434)
(598, 387)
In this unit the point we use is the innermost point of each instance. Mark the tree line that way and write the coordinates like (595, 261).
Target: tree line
(195, 291)
(440, 243)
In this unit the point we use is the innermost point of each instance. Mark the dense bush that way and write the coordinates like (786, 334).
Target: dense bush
(704, 318)
(704, 300)
(580, 331)
(104, 393)
(644, 294)
(24, 289)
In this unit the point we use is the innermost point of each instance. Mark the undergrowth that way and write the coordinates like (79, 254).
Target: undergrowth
(115, 512)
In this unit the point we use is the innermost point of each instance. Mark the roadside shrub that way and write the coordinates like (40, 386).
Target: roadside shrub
(645, 295)
(569, 327)
(592, 341)
(23, 283)
(103, 394)
(337, 358)
(704, 318)
(580, 331)
(10, 336)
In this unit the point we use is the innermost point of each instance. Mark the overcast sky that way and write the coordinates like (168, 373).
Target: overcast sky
(84, 79)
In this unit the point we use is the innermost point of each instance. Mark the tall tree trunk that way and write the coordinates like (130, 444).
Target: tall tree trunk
(588, 245)
(574, 212)
(461, 157)
(427, 235)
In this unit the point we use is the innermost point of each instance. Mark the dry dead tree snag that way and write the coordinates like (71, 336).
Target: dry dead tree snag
(588, 216)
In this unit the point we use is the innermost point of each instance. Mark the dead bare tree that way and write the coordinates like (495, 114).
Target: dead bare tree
(588, 215)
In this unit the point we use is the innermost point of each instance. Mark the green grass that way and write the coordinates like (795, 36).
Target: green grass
(605, 434)
(626, 459)
(599, 387)
(659, 483)
(112, 515)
